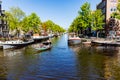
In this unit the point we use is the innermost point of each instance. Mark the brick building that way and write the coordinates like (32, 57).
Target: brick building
(108, 7)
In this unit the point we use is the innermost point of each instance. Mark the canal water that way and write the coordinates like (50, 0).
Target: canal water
(62, 62)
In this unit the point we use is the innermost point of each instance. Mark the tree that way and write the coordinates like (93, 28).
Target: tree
(31, 22)
(87, 20)
(97, 20)
(85, 15)
(52, 27)
(49, 25)
(83, 20)
(14, 18)
(76, 25)
(17, 13)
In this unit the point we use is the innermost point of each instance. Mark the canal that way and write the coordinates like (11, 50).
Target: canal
(62, 62)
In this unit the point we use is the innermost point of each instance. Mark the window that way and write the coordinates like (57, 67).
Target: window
(111, 9)
(114, 9)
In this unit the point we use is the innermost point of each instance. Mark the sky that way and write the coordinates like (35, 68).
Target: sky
(61, 12)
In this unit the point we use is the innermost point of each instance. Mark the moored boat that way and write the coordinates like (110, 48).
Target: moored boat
(16, 43)
(88, 43)
(105, 43)
(1, 45)
(74, 40)
(38, 38)
(43, 46)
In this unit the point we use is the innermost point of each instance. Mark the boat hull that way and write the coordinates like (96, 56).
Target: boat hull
(8, 47)
(40, 38)
(43, 49)
(74, 41)
(105, 43)
(19, 44)
(10, 44)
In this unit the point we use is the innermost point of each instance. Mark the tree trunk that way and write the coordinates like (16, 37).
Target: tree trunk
(98, 34)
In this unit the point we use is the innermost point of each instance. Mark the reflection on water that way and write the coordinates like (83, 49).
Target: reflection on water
(98, 63)
(60, 63)
(10, 53)
(90, 65)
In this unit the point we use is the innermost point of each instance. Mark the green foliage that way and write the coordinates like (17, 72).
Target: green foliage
(52, 27)
(17, 13)
(48, 25)
(87, 19)
(31, 22)
(19, 22)
(83, 20)
(85, 15)
(11, 21)
(14, 18)
(76, 24)
(97, 20)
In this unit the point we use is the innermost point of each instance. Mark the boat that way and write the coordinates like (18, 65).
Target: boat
(74, 40)
(43, 46)
(1, 44)
(87, 43)
(105, 43)
(16, 43)
(38, 38)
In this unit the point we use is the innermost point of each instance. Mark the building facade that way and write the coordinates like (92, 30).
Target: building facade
(108, 7)
(4, 31)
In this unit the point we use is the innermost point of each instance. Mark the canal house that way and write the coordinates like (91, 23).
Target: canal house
(108, 7)
(4, 31)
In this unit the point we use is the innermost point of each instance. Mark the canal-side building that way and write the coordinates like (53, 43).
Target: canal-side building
(108, 7)
(4, 31)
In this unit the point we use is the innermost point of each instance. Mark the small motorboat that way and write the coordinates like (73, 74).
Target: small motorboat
(43, 46)
(74, 41)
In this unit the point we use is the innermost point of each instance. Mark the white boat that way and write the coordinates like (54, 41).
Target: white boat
(74, 40)
(1, 44)
(43, 46)
(39, 38)
(16, 43)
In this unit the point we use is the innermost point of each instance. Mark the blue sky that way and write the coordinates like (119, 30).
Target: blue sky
(62, 12)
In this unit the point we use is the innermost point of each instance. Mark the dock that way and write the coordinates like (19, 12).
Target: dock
(105, 43)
